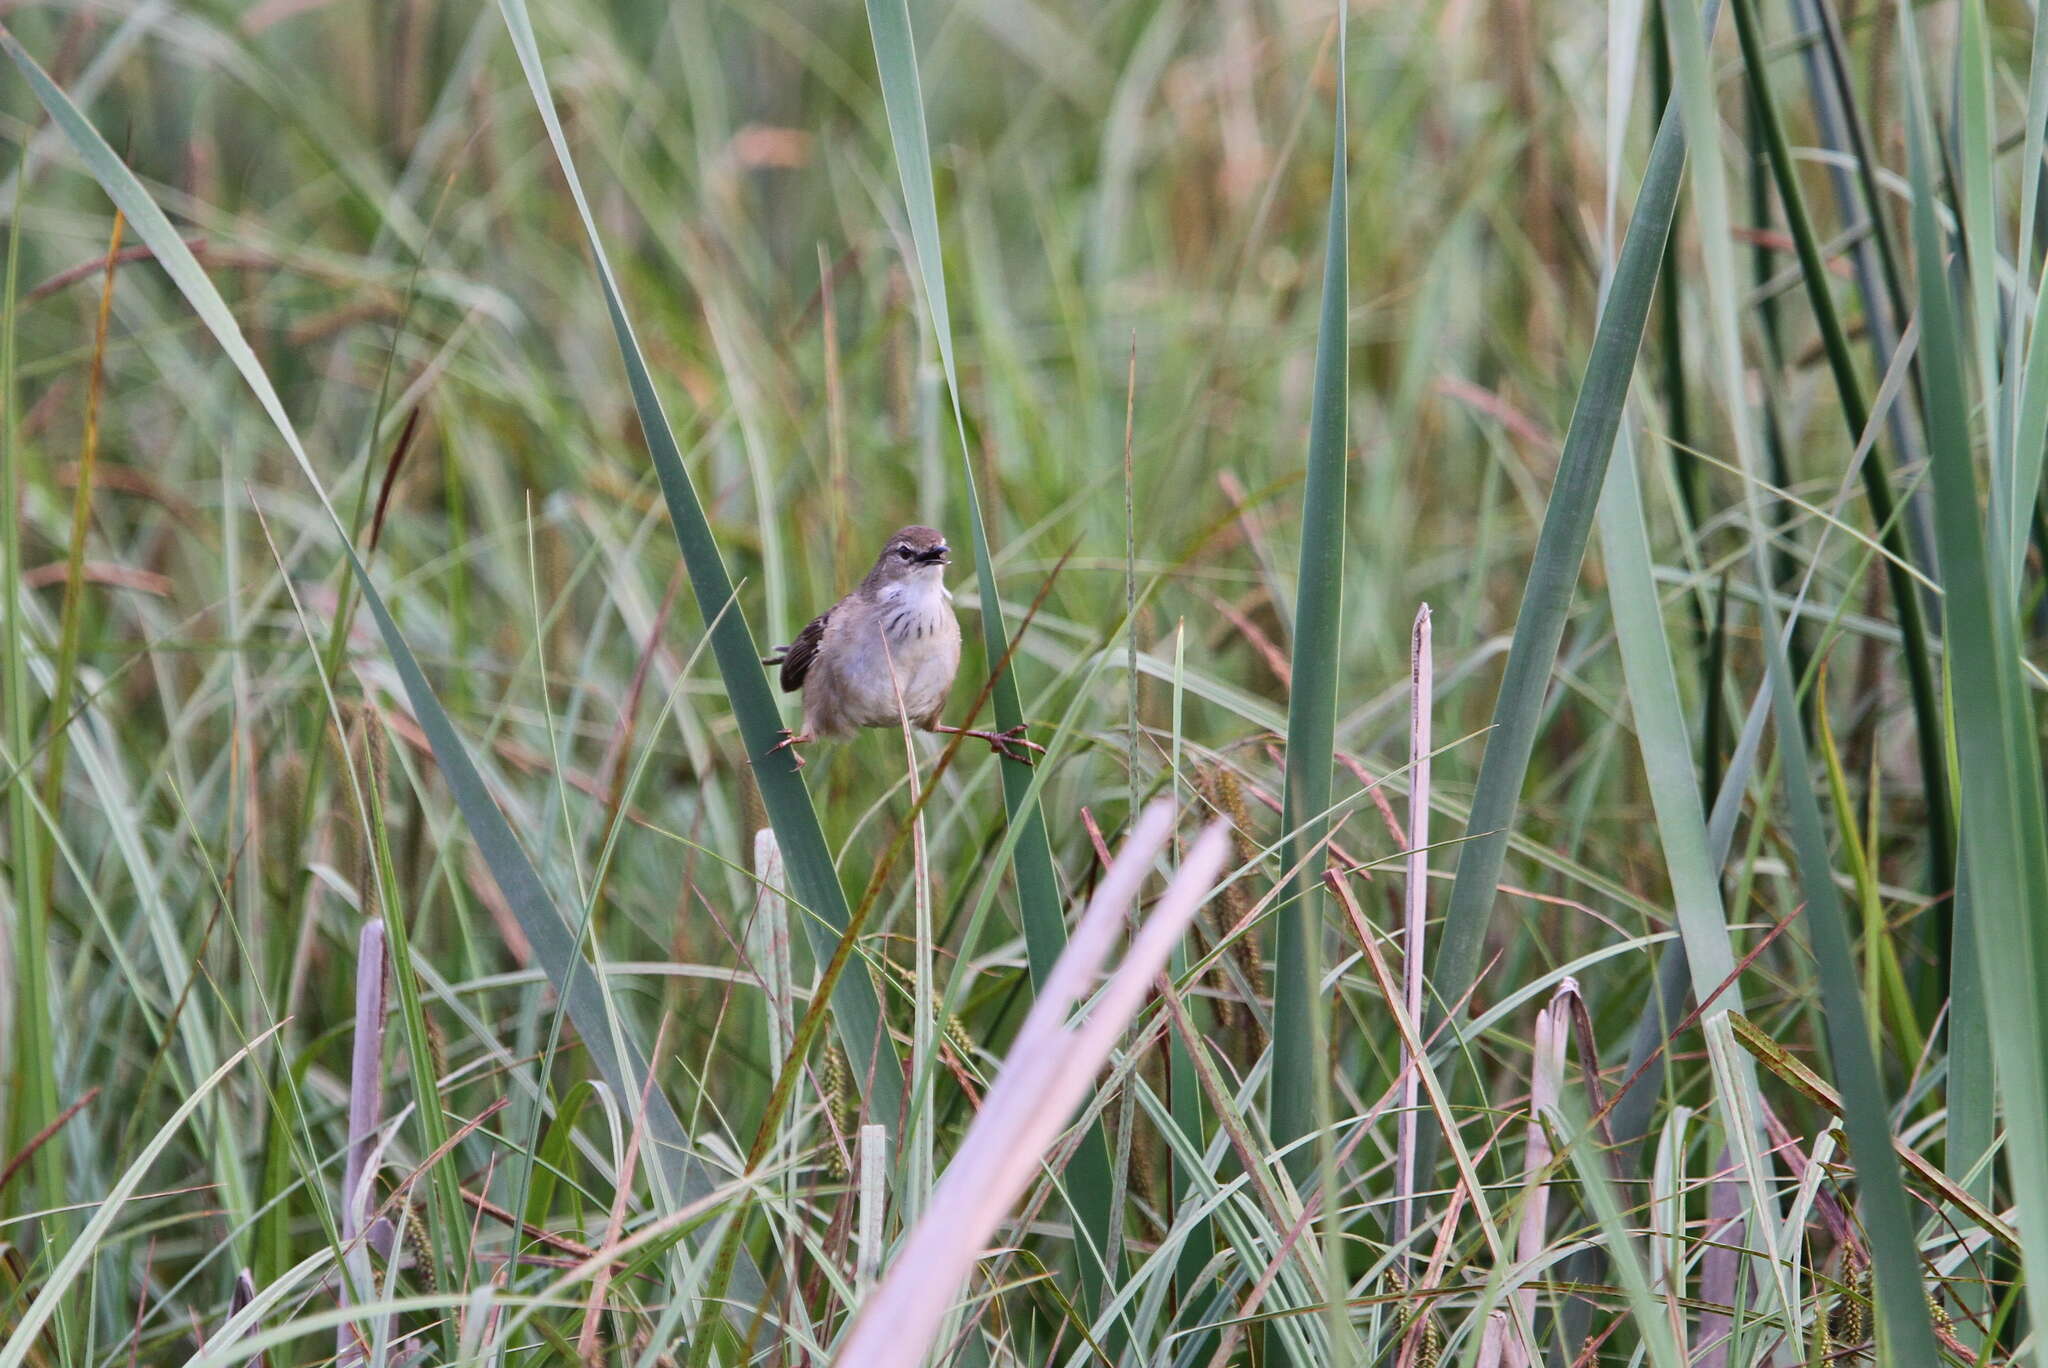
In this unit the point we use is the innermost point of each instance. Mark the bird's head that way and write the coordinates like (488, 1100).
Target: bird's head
(912, 555)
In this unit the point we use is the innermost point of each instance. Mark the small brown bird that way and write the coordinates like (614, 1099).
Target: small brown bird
(886, 652)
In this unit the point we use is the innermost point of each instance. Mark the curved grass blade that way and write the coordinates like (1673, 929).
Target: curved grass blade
(585, 997)
(22, 1341)
(1298, 1058)
(1560, 546)
(857, 1010)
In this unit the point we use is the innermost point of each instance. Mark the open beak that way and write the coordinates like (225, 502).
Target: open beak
(938, 555)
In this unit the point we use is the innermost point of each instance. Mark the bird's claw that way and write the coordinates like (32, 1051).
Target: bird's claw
(1012, 744)
(789, 742)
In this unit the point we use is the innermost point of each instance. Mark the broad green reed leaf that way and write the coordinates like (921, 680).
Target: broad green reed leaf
(584, 995)
(1974, 137)
(1539, 623)
(1300, 1064)
(1560, 547)
(857, 1010)
(1652, 683)
(1667, 754)
(2027, 399)
(2005, 819)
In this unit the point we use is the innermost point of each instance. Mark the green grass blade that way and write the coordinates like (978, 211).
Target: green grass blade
(1834, 47)
(1651, 1315)
(2005, 820)
(1299, 1061)
(1906, 598)
(1560, 546)
(1690, 474)
(2031, 440)
(1667, 751)
(1975, 135)
(1886, 1216)
(31, 1089)
(857, 1010)
(585, 997)
(2028, 400)
(1972, 1087)
(1185, 1094)
(21, 1341)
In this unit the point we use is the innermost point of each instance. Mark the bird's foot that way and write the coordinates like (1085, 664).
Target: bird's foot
(1011, 744)
(789, 742)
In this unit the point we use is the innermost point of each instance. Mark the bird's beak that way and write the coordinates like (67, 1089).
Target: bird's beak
(938, 555)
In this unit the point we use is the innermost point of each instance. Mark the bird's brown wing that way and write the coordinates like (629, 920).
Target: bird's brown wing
(796, 657)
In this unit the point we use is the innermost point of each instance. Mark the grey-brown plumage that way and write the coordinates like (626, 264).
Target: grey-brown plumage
(884, 654)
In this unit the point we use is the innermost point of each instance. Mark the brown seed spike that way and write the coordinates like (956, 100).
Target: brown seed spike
(422, 1251)
(1847, 1328)
(839, 1109)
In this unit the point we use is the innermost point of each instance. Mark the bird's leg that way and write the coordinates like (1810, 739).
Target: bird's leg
(1010, 744)
(789, 742)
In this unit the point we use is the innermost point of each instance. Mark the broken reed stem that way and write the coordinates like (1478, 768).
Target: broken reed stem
(1421, 687)
(365, 1118)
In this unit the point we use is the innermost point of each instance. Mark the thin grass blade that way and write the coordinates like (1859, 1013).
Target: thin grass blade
(21, 1339)
(902, 97)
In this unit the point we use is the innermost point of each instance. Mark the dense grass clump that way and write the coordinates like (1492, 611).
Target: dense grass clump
(1516, 525)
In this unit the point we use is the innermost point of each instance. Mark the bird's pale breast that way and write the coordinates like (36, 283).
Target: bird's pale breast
(909, 641)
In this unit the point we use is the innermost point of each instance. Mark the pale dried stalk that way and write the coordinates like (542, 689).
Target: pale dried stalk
(874, 1197)
(768, 943)
(1497, 1348)
(1422, 685)
(1546, 1087)
(365, 1118)
(1049, 1070)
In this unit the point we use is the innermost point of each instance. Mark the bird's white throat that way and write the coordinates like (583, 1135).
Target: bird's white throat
(912, 609)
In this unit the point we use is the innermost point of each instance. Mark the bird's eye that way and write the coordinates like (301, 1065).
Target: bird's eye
(905, 553)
